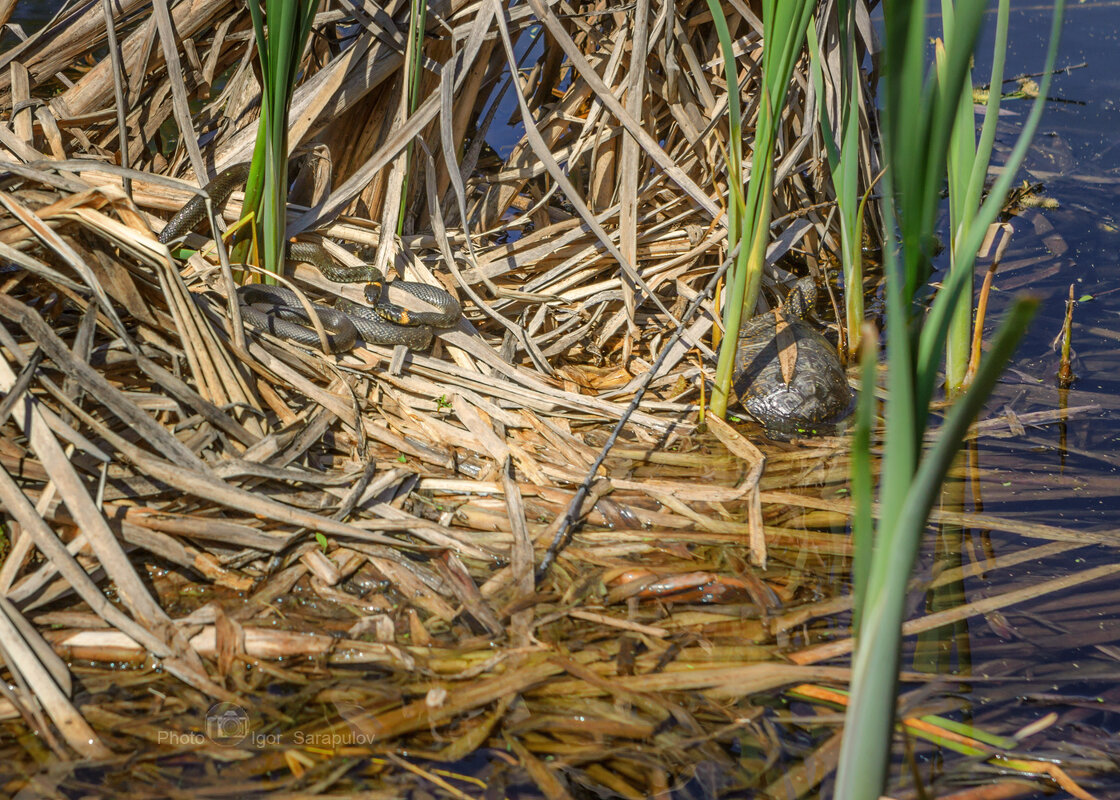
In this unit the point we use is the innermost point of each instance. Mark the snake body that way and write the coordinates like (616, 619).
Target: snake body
(278, 311)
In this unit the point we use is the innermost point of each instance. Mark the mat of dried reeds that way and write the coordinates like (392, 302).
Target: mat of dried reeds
(344, 546)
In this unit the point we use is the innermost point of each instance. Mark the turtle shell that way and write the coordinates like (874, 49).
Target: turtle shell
(817, 395)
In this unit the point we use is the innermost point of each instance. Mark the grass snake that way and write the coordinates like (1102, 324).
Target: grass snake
(278, 311)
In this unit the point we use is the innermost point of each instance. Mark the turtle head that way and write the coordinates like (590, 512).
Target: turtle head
(802, 297)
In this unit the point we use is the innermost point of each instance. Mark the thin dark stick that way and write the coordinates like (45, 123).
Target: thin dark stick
(118, 89)
(20, 386)
(560, 540)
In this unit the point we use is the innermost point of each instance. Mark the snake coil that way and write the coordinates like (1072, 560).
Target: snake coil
(278, 311)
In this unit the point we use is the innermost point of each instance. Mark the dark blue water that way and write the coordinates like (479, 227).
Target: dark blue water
(31, 15)
(1077, 159)
(1076, 162)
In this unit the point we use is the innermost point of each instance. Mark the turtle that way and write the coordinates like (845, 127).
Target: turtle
(815, 396)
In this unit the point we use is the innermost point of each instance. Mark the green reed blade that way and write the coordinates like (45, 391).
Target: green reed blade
(843, 163)
(865, 754)
(784, 25)
(968, 169)
(936, 326)
(917, 140)
(281, 33)
(862, 482)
